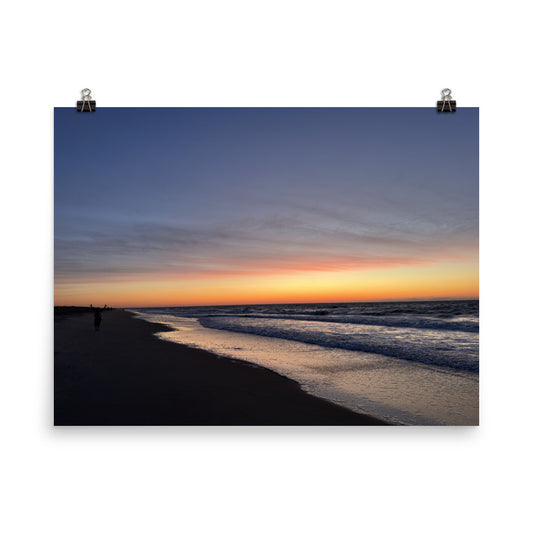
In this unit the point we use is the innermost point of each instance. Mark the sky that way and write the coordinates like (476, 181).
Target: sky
(214, 206)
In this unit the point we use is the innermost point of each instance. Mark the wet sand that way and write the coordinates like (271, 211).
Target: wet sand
(124, 375)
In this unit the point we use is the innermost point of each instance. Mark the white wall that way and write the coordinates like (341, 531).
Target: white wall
(275, 53)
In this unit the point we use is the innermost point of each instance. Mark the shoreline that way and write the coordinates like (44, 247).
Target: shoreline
(125, 375)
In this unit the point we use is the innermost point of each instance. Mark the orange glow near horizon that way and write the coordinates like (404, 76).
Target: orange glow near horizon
(229, 206)
(428, 281)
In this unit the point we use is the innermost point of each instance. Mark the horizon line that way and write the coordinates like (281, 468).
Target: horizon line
(398, 300)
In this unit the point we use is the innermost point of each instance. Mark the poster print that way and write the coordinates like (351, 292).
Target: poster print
(266, 266)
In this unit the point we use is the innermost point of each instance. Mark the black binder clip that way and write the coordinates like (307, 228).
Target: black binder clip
(446, 105)
(86, 104)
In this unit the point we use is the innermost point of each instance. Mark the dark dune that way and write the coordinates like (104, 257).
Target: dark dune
(124, 375)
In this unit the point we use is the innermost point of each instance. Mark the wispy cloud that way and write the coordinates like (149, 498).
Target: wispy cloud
(304, 241)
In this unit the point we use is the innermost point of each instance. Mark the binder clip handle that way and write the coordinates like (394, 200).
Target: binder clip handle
(86, 104)
(446, 105)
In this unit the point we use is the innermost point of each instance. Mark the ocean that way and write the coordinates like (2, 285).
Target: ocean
(408, 363)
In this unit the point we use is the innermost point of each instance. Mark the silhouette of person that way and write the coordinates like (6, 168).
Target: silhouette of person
(97, 318)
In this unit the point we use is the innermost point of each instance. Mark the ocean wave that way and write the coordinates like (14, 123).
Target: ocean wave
(418, 322)
(445, 348)
(444, 315)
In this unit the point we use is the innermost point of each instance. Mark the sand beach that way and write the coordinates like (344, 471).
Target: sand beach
(124, 375)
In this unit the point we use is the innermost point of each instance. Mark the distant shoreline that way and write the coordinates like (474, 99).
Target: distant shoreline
(332, 302)
(124, 375)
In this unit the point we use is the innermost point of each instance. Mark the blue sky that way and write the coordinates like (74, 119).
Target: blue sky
(148, 192)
